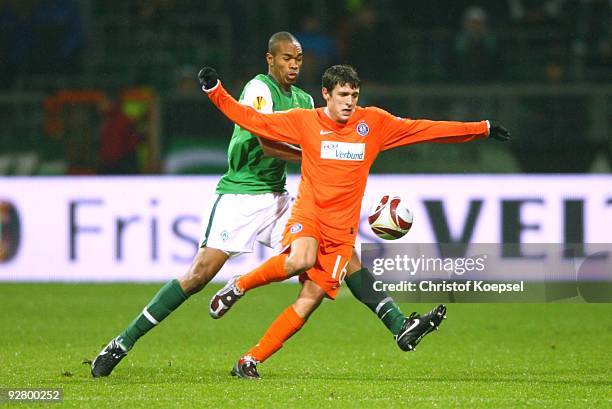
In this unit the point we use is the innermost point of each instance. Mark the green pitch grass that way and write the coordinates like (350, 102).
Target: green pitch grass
(484, 356)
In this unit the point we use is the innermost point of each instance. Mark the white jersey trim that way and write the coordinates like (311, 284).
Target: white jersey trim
(257, 95)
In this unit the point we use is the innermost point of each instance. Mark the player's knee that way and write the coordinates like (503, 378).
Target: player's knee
(298, 263)
(353, 266)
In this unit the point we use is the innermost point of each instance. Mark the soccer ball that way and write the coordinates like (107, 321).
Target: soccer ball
(390, 219)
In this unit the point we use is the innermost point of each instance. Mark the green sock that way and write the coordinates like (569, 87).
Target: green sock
(167, 299)
(361, 285)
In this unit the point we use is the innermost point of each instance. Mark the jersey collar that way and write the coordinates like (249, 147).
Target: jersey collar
(331, 124)
(280, 88)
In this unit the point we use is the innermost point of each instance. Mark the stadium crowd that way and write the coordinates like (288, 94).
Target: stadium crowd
(456, 41)
(51, 45)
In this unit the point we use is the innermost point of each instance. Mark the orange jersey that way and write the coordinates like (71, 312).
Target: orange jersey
(336, 158)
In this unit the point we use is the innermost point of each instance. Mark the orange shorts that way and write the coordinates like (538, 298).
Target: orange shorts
(332, 259)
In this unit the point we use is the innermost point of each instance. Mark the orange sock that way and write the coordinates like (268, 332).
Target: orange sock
(271, 270)
(285, 325)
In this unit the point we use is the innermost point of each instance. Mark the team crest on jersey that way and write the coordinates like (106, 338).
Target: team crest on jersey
(363, 129)
(259, 103)
(296, 228)
(224, 236)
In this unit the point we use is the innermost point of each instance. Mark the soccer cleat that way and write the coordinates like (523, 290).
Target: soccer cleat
(245, 368)
(107, 359)
(416, 326)
(223, 300)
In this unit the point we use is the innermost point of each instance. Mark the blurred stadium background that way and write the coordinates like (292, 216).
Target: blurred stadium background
(77, 74)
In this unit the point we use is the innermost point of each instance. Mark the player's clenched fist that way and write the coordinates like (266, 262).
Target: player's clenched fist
(208, 78)
(499, 132)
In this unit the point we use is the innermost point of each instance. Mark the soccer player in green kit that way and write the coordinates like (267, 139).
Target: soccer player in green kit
(251, 204)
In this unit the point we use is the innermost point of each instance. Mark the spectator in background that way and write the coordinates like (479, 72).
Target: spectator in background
(477, 57)
(535, 13)
(368, 34)
(57, 37)
(185, 83)
(119, 141)
(150, 13)
(39, 37)
(557, 118)
(539, 34)
(592, 44)
(319, 49)
(15, 39)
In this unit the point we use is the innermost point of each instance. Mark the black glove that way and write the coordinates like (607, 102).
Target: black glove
(208, 78)
(497, 131)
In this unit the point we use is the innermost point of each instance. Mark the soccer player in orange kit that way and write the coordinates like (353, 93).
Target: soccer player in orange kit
(339, 144)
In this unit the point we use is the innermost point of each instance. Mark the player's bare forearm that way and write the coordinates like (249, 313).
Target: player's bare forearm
(280, 150)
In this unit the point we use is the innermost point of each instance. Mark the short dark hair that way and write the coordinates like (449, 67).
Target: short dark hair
(277, 38)
(340, 75)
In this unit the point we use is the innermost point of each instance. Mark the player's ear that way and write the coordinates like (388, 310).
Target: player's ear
(269, 58)
(325, 94)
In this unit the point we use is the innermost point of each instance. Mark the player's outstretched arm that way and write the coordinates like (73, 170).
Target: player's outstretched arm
(400, 132)
(277, 126)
